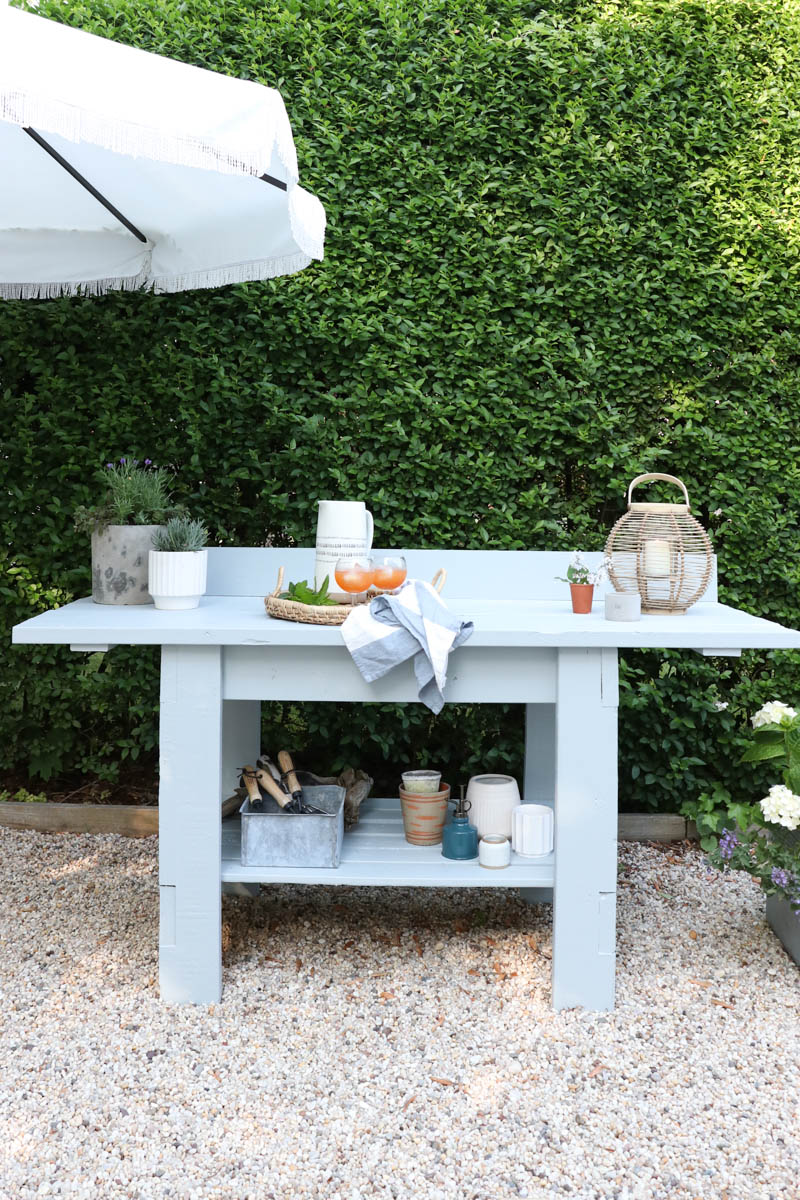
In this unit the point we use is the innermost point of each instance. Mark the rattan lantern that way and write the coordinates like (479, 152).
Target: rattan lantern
(661, 552)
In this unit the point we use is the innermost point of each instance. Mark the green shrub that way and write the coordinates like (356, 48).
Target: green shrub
(562, 250)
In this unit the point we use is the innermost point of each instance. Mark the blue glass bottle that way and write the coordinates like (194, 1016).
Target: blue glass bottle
(459, 838)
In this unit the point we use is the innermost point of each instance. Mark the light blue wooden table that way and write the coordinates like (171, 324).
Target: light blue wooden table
(220, 661)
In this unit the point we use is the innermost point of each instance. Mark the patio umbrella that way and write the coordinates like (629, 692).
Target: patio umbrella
(123, 169)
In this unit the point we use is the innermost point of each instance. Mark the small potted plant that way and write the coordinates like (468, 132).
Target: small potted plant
(582, 582)
(136, 503)
(764, 839)
(179, 564)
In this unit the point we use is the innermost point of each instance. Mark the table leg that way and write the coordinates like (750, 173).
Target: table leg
(241, 743)
(539, 784)
(190, 949)
(584, 911)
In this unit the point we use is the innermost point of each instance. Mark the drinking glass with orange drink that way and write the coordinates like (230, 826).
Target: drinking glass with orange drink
(354, 575)
(390, 572)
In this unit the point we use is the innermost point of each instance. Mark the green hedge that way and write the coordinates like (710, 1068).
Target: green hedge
(562, 249)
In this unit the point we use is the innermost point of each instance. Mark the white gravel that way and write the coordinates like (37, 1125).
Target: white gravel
(390, 1043)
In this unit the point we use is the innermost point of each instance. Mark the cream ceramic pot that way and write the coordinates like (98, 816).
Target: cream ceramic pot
(344, 530)
(492, 799)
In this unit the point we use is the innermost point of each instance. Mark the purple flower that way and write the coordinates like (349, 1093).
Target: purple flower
(728, 843)
(123, 461)
(148, 462)
(780, 877)
(109, 466)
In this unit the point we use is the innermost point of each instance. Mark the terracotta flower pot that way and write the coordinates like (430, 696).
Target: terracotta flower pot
(424, 816)
(581, 597)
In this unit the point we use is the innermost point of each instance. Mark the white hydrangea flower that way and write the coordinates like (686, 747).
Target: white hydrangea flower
(773, 713)
(720, 705)
(781, 807)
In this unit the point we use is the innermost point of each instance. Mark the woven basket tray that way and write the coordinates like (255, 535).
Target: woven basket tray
(323, 614)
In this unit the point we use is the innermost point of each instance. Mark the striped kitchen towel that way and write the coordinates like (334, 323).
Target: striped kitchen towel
(392, 628)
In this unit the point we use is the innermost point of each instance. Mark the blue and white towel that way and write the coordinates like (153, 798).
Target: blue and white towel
(389, 629)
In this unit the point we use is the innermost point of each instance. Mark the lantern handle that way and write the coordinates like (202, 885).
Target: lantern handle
(657, 475)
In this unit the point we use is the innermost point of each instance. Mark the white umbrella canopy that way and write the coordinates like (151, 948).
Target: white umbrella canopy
(123, 169)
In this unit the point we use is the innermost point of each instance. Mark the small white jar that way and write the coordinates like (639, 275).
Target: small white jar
(623, 606)
(494, 852)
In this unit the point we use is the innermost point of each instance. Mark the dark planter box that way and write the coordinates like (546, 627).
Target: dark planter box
(785, 925)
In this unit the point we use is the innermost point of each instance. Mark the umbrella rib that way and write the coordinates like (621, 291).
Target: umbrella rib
(62, 162)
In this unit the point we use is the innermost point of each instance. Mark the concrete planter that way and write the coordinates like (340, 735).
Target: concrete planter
(178, 578)
(120, 564)
(785, 925)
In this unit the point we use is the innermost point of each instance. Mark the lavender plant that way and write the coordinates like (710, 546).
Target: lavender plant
(135, 494)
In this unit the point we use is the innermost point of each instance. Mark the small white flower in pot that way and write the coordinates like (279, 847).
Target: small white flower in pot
(179, 564)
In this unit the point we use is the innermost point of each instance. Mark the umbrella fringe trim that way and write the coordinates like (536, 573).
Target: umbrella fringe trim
(211, 278)
(236, 273)
(141, 141)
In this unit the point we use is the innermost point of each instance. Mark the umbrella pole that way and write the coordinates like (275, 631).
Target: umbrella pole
(278, 183)
(68, 167)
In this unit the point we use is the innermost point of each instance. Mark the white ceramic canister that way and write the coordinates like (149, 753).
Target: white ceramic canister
(344, 530)
(532, 835)
(492, 799)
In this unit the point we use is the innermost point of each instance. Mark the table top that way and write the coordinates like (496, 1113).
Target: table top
(242, 621)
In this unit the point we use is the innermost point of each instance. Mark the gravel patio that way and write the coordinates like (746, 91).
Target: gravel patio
(391, 1042)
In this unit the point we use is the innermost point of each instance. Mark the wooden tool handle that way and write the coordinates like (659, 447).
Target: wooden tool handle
(251, 783)
(279, 584)
(287, 766)
(275, 790)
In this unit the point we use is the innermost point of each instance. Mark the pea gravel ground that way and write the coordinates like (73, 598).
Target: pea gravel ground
(390, 1043)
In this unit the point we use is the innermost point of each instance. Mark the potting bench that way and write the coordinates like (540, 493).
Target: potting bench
(218, 662)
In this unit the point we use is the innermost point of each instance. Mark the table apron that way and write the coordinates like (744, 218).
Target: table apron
(481, 674)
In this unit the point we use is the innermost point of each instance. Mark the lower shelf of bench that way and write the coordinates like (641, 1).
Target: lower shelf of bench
(376, 853)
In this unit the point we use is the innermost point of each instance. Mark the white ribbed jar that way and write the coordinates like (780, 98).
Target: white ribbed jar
(492, 799)
(178, 578)
(532, 830)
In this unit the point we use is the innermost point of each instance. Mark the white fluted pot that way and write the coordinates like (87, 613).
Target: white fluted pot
(178, 578)
(533, 830)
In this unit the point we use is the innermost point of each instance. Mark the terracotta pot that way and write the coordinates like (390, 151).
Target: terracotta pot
(581, 597)
(424, 816)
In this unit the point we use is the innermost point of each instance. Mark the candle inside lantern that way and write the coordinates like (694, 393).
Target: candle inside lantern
(656, 558)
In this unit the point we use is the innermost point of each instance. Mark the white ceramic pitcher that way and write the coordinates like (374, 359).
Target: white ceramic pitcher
(344, 530)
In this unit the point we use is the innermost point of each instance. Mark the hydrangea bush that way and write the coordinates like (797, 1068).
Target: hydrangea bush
(765, 843)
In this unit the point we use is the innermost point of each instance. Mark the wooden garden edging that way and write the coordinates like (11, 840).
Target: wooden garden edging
(132, 821)
(126, 819)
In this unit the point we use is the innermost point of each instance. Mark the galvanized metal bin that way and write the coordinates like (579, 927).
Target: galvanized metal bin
(279, 839)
